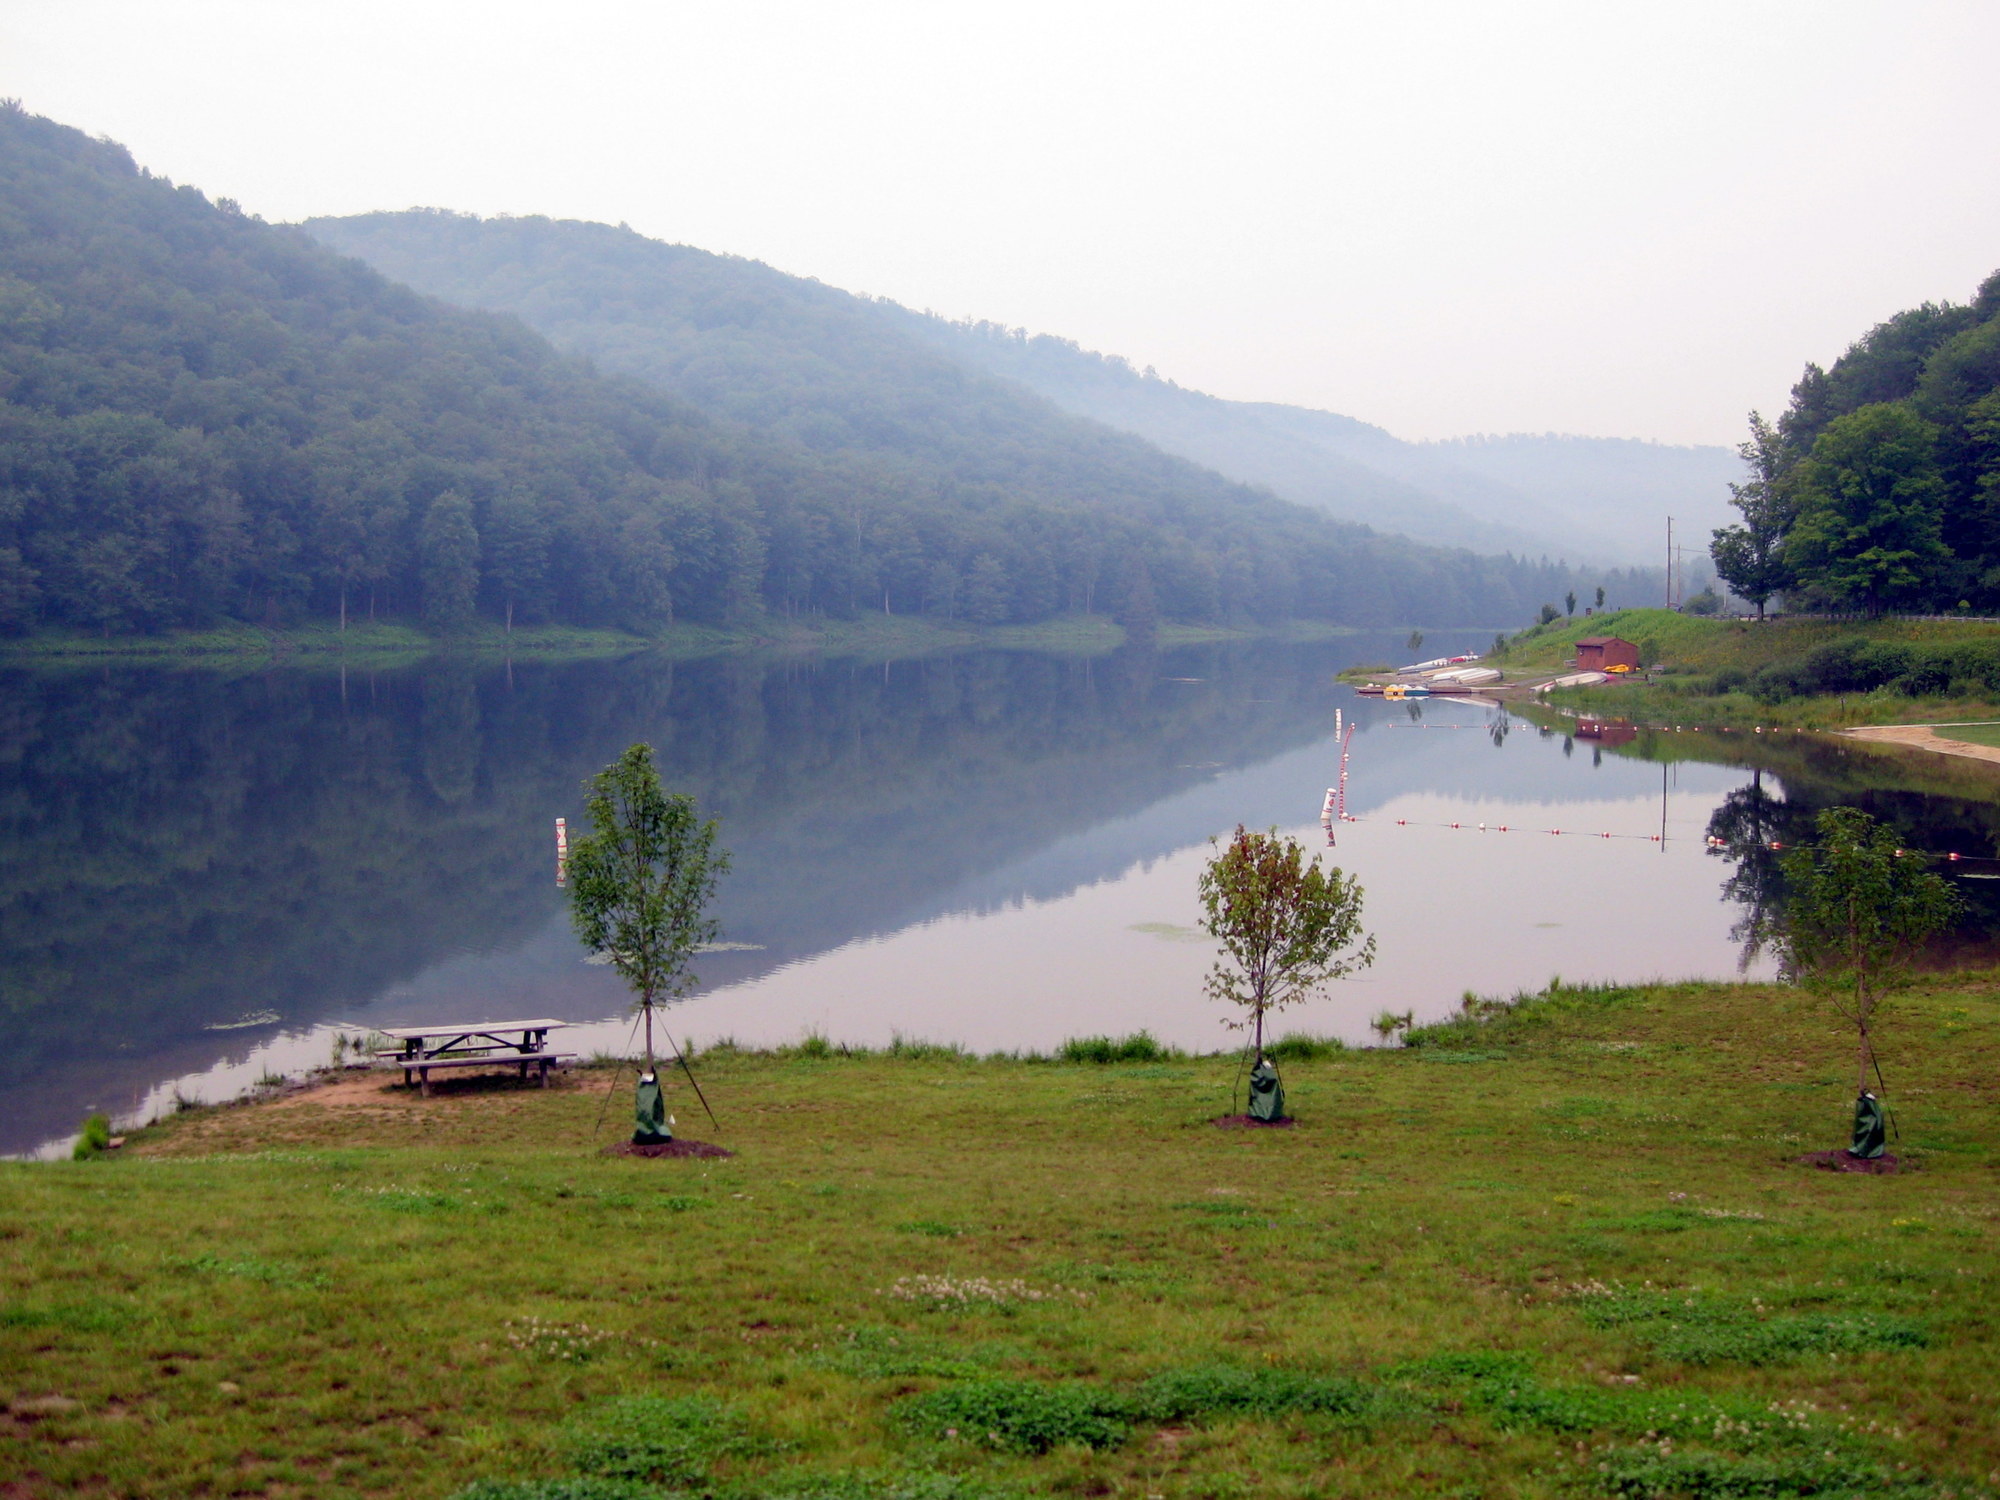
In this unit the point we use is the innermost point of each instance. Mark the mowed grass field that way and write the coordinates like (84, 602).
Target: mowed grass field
(1565, 1252)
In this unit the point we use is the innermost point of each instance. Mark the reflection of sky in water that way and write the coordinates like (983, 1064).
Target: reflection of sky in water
(1089, 933)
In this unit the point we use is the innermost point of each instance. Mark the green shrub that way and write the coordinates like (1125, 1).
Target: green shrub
(657, 1439)
(911, 1050)
(95, 1138)
(1139, 1047)
(1302, 1046)
(1019, 1416)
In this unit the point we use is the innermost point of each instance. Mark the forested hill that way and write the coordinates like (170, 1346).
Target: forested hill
(1879, 487)
(1601, 498)
(203, 416)
(847, 378)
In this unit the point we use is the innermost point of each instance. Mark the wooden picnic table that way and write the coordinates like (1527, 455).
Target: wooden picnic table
(522, 1044)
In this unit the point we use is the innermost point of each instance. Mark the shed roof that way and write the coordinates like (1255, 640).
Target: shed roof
(1605, 640)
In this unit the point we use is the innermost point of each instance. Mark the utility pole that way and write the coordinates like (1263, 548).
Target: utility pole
(1670, 562)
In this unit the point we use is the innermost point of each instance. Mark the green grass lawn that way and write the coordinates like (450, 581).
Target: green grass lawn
(1695, 649)
(1566, 1252)
(1971, 734)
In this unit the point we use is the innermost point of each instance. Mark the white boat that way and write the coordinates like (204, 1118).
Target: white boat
(1576, 679)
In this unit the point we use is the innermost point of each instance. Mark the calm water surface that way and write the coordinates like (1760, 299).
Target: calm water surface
(202, 874)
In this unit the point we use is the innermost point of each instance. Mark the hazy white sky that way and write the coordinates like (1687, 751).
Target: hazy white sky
(1603, 217)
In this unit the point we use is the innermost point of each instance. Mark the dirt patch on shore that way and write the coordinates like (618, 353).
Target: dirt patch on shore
(368, 1091)
(382, 1088)
(1923, 737)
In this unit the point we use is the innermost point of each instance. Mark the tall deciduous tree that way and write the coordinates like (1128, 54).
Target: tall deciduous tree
(449, 548)
(1286, 926)
(1857, 909)
(640, 881)
(1870, 508)
(517, 551)
(1750, 557)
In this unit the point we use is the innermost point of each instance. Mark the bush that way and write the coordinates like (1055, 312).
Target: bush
(657, 1439)
(1138, 1047)
(909, 1049)
(1301, 1046)
(94, 1139)
(1020, 1416)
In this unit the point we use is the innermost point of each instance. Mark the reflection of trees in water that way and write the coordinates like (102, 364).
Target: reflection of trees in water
(178, 848)
(1747, 822)
(1751, 818)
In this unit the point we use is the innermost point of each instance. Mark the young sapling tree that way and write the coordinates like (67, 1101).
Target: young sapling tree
(1286, 926)
(1857, 910)
(640, 882)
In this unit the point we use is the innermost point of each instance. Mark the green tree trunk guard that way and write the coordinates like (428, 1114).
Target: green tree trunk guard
(1869, 1127)
(1267, 1094)
(651, 1127)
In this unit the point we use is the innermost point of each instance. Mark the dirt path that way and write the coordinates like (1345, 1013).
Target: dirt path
(1922, 737)
(385, 1090)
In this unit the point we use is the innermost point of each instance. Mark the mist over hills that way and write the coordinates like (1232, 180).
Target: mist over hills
(206, 417)
(835, 371)
(743, 340)
(1584, 498)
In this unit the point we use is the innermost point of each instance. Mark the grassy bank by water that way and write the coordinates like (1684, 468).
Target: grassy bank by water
(1808, 674)
(1563, 1251)
(384, 644)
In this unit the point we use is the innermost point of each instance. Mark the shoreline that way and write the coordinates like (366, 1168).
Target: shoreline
(396, 644)
(1923, 737)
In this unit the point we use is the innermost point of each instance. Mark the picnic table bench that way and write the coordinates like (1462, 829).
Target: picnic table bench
(522, 1044)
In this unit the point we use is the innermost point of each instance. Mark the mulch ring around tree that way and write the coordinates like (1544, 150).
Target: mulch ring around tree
(667, 1148)
(1847, 1161)
(1251, 1122)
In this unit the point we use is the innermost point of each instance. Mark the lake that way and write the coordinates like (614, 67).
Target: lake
(206, 872)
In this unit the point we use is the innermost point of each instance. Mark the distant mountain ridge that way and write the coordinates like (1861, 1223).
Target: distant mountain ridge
(840, 374)
(1587, 498)
(204, 417)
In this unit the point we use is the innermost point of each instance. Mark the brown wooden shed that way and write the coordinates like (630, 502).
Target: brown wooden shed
(1600, 653)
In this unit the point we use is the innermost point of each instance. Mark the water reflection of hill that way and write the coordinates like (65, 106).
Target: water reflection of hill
(181, 850)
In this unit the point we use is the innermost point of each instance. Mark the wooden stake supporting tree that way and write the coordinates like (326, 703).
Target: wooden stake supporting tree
(1286, 926)
(640, 883)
